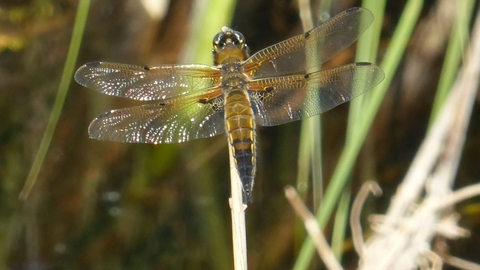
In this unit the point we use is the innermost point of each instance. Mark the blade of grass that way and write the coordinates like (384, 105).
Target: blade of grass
(453, 55)
(310, 144)
(367, 48)
(310, 154)
(67, 75)
(209, 17)
(340, 223)
(352, 148)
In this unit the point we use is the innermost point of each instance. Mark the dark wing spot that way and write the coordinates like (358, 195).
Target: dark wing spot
(306, 34)
(363, 64)
(268, 89)
(146, 68)
(92, 64)
(203, 101)
(306, 76)
(353, 9)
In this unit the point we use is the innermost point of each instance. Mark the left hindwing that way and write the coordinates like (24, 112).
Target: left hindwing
(171, 121)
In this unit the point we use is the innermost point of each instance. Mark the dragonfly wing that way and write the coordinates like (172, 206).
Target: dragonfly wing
(144, 83)
(305, 53)
(166, 122)
(285, 99)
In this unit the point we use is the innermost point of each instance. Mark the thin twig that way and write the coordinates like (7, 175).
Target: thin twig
(460, 263)
(237, 208)
(460, 195)
(355, 225)
(435, 260)
(313, 229)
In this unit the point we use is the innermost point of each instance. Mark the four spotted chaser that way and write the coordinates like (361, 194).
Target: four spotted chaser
(277, 85)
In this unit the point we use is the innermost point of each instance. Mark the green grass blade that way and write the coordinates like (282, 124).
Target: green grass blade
(67, 75)
(453, 55)
(207, 21)
(367, 48)
(341, 223)
(348, 157)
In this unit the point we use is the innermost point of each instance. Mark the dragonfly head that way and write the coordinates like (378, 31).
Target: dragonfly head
(229, 46)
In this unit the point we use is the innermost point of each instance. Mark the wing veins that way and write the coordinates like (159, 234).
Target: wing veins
(171, 121)
(291, 98)
(143, 83)
(306, 52)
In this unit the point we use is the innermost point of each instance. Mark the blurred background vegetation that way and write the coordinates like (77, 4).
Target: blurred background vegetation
(104, 205)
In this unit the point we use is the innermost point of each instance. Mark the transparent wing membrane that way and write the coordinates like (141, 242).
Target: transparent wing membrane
(285, 99)
(284, 82)
(306, 52)
(144, 83)
(169, 122)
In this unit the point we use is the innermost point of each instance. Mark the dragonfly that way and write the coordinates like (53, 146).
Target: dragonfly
(279, 84)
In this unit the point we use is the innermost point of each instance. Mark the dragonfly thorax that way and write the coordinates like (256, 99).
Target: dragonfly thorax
(233, 76)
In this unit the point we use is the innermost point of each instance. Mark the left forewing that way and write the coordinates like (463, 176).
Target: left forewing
(147, 83)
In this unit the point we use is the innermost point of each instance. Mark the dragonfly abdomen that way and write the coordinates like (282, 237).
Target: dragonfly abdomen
(241, 135)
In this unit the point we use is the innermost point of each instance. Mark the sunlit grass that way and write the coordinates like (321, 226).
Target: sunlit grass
(355, 141)
(67, 75)
(207, 21)
(454, 53)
